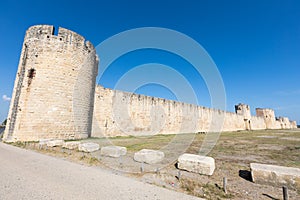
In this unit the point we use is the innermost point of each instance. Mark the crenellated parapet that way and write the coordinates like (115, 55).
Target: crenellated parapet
(67, 37)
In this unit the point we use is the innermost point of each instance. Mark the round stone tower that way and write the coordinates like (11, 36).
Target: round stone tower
(53, 94)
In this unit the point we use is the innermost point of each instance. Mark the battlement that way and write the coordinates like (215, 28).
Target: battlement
(46, 32)
(265, 109)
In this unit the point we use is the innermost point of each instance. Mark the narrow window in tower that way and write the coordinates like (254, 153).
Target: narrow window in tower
(31, 74)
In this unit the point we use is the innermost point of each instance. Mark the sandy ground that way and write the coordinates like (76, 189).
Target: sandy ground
(29, 175)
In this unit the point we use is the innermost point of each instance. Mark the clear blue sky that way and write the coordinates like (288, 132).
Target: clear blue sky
(255, 44)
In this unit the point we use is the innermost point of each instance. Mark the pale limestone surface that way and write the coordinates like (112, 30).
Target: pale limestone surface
(243, 109)
(55, 143)
(44, 141)
(274, 123)
(275, 175)
(293, 124)
(196, 163)
(268, 115)
(88, 147)
(149, 156)
(71, 145)
(53, 93)
(257, 123)
(113, 151)
(285, 123)
(118, 113)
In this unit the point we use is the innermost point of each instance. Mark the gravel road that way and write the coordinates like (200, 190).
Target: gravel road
(26, 174)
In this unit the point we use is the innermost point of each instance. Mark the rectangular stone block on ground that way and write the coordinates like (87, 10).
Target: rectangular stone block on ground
(149, 156)
(113, 151)
(44, 141)
(275, 175)
(196, 163)
(88, 147)
(55, 143)
(71, 145)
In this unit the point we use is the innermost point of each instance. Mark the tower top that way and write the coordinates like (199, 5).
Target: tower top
(66, 36)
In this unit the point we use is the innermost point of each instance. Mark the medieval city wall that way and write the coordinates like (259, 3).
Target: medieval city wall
(55, 96)
(269, 116)
(258, 123)
(285, 123)
(55, 73)
(118, 113)
(272, 122)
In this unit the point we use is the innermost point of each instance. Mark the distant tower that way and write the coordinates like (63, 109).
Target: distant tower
(285, 123)
(243, 109)
(268, 115)
(53, 94)
(293, 124)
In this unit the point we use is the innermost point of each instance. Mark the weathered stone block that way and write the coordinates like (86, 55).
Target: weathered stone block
(275, 175)
(55, 143)
(71, 145)
(149, 156)
(196, 163)
(88, 147)
(44, 141)
(113, 151)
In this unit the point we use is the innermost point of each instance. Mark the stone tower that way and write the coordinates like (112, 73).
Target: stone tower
(53, 94)
(268, 115)
(244, 110)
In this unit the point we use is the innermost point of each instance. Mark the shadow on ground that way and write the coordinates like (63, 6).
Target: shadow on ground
(245, 174)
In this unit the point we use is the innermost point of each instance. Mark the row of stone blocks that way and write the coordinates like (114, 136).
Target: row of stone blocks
(88, 147)
(261, 173)
(189, 162)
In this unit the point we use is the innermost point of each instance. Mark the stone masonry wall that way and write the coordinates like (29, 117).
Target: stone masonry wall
(268, 115)
(53, 95)
(257, 123)
(120, 113)
(274, 123)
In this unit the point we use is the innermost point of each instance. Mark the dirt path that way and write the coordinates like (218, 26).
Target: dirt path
(30, 175)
